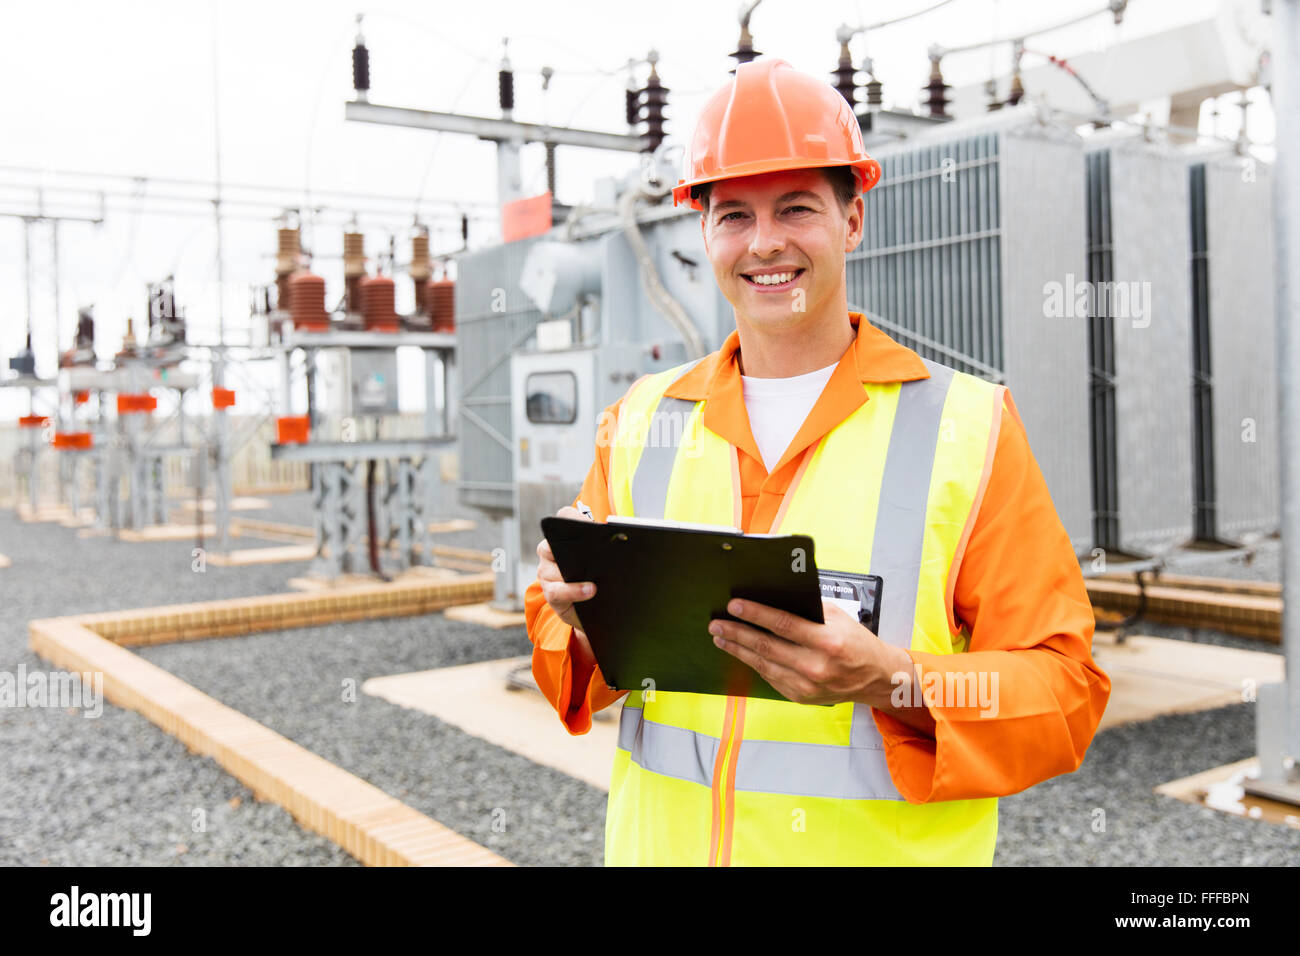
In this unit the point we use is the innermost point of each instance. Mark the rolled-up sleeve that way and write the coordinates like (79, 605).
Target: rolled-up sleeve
(566, 675)
(1022, 596)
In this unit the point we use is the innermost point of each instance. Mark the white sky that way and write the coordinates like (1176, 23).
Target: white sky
(128, 88)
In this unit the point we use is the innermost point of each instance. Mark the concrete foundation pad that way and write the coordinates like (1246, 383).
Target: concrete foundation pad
(236, 504)
(43, 512)
(166, 532)
(474, 697)
(486, 615)
(454, 524)
(310, 583)
(1222, 789)
(277, 555)
(1151, 676)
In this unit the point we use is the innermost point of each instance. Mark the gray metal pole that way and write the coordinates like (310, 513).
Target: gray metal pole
(54, 252)
(1278, 710)
(216, 202)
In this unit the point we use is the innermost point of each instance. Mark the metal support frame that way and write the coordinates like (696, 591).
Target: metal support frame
(500, 130)
(29, 461)
(1277, 713)
(402, 520)
(338, 498)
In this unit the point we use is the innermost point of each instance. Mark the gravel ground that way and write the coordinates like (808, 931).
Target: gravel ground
(293, 682)
(118, 791)
(115, 790)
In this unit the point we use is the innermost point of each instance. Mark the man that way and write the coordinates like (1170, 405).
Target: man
(980, 681)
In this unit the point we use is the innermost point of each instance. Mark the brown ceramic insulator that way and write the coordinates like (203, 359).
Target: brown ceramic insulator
(442, 296)
(378, 299)
(307, 302)
(354, 255)
(289, 249)
(420, 267)
(352, 291)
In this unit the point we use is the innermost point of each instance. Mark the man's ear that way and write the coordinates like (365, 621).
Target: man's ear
(856, 220)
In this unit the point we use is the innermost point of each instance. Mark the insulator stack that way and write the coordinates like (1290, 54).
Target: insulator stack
(420, 267)
(85, 329)
(875, 94)
(423, 305)
(361, 66)
(1017, 92)
(744, 51)
(286, 264)
(844, 76)
(354, 268)
(443, 300)
(655, 96)
(991, 91)
(420, 271)
(506, 89)
(937, 90)
(128, 340)
(307, 302)
(378, 304)
(632, 106)
(361, 70)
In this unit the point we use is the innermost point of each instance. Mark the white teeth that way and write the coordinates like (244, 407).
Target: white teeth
(774, 279)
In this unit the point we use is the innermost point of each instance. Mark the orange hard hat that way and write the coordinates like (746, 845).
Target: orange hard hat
(771, 117)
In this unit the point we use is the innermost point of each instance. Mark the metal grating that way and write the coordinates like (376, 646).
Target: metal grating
(1203, 489)
(928, 269)
(1101, 358)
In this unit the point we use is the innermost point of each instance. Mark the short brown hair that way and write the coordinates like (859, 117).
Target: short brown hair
(842, 179)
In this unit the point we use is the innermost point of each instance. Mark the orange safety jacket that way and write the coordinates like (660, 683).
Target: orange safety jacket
(1026, 608)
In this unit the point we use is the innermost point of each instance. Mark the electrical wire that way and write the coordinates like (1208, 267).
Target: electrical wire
(907, 16)
(1024, 34)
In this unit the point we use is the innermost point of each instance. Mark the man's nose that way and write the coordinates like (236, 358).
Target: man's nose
(768, 238)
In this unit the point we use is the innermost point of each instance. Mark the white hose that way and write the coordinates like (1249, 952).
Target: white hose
(659, 295)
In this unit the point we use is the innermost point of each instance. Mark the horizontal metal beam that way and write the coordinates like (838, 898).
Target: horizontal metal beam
(494, 129)
(340, 338)
(359, 450)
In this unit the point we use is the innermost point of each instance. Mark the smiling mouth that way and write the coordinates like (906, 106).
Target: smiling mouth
(765, 282)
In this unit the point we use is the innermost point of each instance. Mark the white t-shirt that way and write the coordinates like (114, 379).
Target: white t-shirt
(778, 406)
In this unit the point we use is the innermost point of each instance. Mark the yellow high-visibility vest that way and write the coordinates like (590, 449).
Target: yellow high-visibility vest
(701, 779)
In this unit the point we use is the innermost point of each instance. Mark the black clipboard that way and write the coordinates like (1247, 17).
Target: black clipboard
(657, 588)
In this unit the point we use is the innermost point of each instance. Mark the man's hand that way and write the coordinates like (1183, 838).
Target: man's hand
(560, 594)
(811, 663)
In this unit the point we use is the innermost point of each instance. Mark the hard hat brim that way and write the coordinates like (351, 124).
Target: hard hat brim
(868, 175)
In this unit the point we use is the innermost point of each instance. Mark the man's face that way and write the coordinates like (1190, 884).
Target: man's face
(774, 224)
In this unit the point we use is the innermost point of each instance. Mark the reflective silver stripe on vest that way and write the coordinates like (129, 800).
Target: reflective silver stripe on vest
(671, 751)
(900, 516)
(858, 771)
(764, 766)
(659, 453)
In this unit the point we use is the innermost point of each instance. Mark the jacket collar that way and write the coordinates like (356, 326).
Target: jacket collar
(873, 357)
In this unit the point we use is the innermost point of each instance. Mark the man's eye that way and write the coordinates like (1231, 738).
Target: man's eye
(796, 208)
(729, 215)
